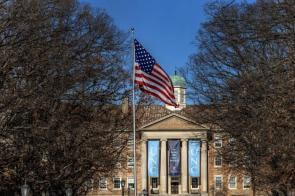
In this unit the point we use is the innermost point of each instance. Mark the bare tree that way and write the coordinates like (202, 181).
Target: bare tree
(61, 80)
(244, 73)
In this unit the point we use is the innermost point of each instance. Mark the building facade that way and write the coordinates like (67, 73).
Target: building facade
(175, 156)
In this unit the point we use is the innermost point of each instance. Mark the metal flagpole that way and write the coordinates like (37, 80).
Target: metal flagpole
(133, 108)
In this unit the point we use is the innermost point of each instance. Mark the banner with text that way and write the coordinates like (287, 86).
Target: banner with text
(153, 158)
(194, 158)
(174, 157)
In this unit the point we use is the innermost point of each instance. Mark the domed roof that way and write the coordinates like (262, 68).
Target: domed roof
(178, 81)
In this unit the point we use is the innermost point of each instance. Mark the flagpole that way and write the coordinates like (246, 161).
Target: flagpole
(133, 109)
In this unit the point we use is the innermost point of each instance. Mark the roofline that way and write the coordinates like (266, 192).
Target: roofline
(171, 130)
(170, 115)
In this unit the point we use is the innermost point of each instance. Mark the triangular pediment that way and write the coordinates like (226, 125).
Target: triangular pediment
(173, 122)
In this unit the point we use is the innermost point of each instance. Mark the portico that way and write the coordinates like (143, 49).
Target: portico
(181, 130)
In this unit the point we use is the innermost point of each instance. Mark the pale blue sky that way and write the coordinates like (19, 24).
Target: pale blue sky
(166, 28)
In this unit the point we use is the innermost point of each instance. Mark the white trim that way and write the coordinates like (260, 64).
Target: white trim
(244, 183)
(114, 183)
(129, 165)
(217, 139)
(218, 188)
(145, 127)
(106, 184)
(191, 185)
(151, 181)
(129, 178)
(217, 166)
(229, 182)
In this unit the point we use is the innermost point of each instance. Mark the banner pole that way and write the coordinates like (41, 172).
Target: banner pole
(133, 109)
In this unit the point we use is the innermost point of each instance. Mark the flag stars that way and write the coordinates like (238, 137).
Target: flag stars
(143, 58)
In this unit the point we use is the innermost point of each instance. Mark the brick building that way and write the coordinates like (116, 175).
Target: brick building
(164, 126)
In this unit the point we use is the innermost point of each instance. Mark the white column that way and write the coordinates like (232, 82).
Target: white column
(204, 166)
(163, 174)
(184, 166)
(143, 165)
(169, 185)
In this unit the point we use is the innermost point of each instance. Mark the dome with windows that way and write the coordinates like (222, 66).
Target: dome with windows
(179, 85)
(178, 81)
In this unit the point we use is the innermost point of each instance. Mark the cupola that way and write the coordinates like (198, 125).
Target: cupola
(179, 85)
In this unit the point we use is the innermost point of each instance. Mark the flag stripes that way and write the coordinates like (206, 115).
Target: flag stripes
(151, 78)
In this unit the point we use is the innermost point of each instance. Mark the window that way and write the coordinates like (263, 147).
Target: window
(89, 184)
(247, 159)
(118, 165)
(218, 161)
(232, 182)
(45, 156)
(217, 141)
(117, 143)
(103, 184)
(117, 183)
(130, 162)
(182, 96)
(232, 141)
(246, 182)
(154, 182)
(195, 182)
(130, 183)
(176, 93)
(218, 182)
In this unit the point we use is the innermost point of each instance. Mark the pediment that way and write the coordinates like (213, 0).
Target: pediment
(173, 122)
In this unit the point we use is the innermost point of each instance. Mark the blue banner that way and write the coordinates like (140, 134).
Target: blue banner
(153, 158)
(174, 157)
(194, 158)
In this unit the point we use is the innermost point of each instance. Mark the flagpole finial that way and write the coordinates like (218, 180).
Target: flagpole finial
(132, 33)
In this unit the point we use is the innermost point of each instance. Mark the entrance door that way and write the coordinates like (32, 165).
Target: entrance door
(174, 185)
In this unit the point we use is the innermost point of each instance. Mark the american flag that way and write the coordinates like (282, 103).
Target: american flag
(151, 78)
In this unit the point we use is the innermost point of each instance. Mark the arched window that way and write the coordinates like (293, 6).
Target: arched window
(181, 101)
(176, 95)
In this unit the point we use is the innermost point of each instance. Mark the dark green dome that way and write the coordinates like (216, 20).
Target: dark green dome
(178, 81)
